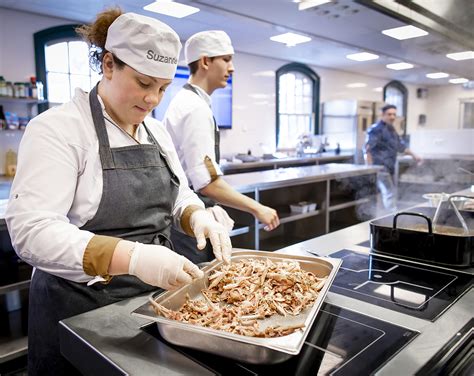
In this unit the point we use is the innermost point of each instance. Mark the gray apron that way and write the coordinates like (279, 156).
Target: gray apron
(184, 244)
(139, 190)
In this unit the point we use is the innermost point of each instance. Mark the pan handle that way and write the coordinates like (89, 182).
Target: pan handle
(428, 219)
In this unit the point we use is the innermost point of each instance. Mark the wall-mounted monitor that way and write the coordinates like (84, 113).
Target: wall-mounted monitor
(221, 99)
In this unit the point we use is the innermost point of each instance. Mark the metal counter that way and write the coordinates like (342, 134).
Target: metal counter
(110, 339)
(262, 180)
(267, 164)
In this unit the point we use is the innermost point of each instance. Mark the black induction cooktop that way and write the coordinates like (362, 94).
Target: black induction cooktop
(418, 290)
(339, 342)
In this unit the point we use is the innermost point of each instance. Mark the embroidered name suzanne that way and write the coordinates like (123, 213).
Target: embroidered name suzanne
(151, 55)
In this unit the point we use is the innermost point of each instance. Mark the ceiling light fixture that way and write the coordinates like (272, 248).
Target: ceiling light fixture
(458, 80)
(362, 56)
(290, 39)
(356, 85)
(306, 4)
(405, 32)
(465, 55)
(437, 75)
(399, 66)
(171, 8)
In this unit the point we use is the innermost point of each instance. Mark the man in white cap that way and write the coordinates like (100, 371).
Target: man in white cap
(98, 186)
(195, 134)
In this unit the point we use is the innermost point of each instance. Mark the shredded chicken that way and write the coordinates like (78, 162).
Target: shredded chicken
(242, 293)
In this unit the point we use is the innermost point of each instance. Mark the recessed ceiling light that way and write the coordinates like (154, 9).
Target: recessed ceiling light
(356, 84)
(306, 4)
(378, 89)
(399, 66)
(171, 8)
(458, 80)
(404, 32)
(362, 56)
(437, 75)
(461, 55)
(290, 39)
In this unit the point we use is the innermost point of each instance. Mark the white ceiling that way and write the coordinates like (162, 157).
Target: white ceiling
(337, 29)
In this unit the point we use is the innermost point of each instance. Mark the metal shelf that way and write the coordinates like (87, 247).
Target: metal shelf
(15, 286)
(349, 204)
(239, 231)
(291, 217)
(13, 349)
(22, 100)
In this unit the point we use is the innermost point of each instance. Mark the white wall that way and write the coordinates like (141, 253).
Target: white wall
(254, 100)
(444, 104)
(254, 88)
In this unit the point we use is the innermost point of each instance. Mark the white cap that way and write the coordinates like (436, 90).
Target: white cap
(147, 45)
(207, 43)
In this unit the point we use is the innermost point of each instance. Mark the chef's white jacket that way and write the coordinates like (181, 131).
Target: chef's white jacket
(190, 123)
(58, 185)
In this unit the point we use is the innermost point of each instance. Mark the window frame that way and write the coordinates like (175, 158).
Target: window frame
(398, 85)
(41, 39)
(316, 83)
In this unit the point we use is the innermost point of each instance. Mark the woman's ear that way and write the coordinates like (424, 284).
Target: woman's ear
(108, 65)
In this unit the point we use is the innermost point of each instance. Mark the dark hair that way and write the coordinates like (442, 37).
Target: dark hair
(388, 107)
(193, 67)
(95, 35)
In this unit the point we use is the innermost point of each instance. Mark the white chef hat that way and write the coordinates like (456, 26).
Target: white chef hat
(147, 45)
(207, 43)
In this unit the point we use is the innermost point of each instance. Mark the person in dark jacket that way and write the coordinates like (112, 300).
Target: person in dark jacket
(382, 146)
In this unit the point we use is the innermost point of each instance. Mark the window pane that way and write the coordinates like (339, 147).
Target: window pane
(58, 87)
(79, 57)
(394, 96)
(57, 58)
(295, 99)
(81, 81)
(308, 105)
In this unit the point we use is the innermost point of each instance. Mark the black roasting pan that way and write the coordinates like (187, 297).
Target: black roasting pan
(412, 235)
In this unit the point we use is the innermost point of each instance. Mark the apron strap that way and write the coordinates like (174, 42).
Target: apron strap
(217, 135)
(99, 123)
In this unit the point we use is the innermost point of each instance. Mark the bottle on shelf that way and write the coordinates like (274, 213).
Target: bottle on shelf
(3, 119)
(10, 163)
(33, 88)
(3, 87)
(9, 89)
(40, 90)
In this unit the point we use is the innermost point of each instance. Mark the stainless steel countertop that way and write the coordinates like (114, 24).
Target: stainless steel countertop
(112, 333)
(247, 182)
(281, 162)
(464, 157)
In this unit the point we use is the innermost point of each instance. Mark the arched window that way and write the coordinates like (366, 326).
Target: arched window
(297, 104)
(397, 94)
(62, 63)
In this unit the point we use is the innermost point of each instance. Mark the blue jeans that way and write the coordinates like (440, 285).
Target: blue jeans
(387, 190)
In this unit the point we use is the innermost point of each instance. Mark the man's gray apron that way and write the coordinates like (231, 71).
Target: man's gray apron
(139, 190)
(184, 244)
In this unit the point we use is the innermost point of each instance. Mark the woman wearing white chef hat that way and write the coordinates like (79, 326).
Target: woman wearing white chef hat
(194, 131)
(98, 186)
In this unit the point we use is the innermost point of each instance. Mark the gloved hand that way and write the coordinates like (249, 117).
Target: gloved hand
(204, 225)
(160, 266)
(221, 216)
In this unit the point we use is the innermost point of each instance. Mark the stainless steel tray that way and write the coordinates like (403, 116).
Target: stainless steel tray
(235, 346)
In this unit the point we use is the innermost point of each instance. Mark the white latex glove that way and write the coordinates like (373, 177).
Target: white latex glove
(221, 216)
(204, 225)
(160, 266)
